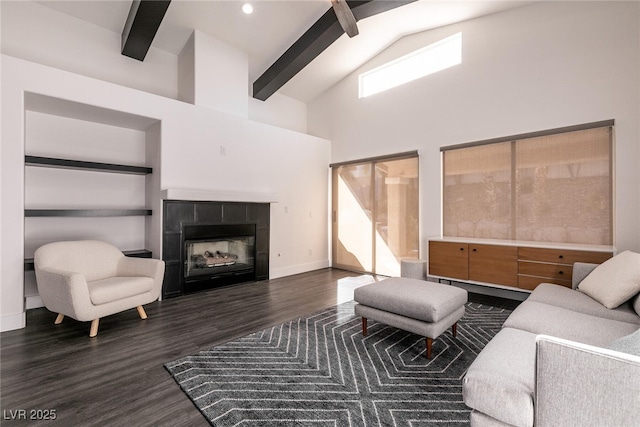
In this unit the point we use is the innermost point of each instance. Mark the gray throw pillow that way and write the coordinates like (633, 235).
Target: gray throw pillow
(628, 344)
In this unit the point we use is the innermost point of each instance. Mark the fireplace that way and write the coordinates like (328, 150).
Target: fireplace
(218, 254)
(209, 244)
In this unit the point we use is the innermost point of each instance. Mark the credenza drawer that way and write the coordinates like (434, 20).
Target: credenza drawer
(552, 271)
(562, 256)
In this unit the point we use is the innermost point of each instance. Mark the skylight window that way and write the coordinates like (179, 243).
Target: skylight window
(422, 62)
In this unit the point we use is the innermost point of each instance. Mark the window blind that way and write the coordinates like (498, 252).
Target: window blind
(547, 187)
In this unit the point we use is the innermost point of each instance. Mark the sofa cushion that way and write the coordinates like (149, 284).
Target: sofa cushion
(636, 304)
(580, 271)
(117, 288)
(478, 419)
(539, 318)
(628, 344)
(614, 281)
(570, 299)
(500, 381)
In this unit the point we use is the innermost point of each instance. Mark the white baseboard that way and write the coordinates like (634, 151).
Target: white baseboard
(33, 301)
(10, 322)
(297, 269)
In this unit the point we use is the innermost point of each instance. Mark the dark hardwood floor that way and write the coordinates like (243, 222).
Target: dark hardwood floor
(118, 377)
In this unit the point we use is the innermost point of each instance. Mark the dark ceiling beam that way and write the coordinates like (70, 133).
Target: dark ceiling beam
(312, 43)
(145, 17)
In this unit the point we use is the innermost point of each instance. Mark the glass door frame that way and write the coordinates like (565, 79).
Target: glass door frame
(335, 226)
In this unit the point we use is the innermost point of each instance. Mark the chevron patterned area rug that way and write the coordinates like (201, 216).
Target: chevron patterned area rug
(319, 370)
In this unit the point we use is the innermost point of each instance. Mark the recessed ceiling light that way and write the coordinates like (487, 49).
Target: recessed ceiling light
(247, 8)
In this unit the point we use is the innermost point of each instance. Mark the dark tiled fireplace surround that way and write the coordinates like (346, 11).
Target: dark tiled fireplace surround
(178, 214)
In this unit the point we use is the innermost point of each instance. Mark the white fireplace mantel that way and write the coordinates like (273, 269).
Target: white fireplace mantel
(218, 196)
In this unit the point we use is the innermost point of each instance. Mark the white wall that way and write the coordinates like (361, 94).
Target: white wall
(40, 34)
(221, 75)
(547, 65)
(280, 110)
(43, 35)
(259, 158)
(187, 72)
(153, 239)
(213, 74)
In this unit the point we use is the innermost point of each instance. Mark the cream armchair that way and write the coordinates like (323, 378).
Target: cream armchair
(89, 279)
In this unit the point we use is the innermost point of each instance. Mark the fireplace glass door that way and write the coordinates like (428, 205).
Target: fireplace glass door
(220, 255)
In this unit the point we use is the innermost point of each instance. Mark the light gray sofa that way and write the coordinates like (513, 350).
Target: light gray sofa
(555, 363)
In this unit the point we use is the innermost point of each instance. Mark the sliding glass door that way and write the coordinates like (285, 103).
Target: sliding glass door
(375, 214)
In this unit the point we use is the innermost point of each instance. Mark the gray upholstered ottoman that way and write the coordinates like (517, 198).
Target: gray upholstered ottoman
(424, 308)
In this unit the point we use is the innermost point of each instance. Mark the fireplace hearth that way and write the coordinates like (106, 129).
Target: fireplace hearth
(211, 244)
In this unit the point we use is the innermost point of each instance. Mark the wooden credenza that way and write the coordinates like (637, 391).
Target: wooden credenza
(513, 264)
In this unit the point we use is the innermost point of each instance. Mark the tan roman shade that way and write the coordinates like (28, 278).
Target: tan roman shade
(548, 187)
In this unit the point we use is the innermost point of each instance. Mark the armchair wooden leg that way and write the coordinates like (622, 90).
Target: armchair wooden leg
(364, 326)
(141, 312)
(94, 328)
(59, 319)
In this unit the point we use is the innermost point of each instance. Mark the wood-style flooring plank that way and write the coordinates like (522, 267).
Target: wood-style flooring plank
(118, 377)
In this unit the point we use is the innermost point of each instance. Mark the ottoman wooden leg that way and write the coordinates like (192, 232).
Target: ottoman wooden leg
(429, 345)
(364, 326)
(454, 329)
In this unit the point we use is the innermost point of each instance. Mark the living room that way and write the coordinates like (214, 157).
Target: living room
(543, 65)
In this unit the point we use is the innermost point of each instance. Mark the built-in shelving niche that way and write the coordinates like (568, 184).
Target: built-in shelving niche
(90, 173)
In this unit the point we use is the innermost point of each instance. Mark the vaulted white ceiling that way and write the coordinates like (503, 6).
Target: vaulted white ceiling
(275, 25)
